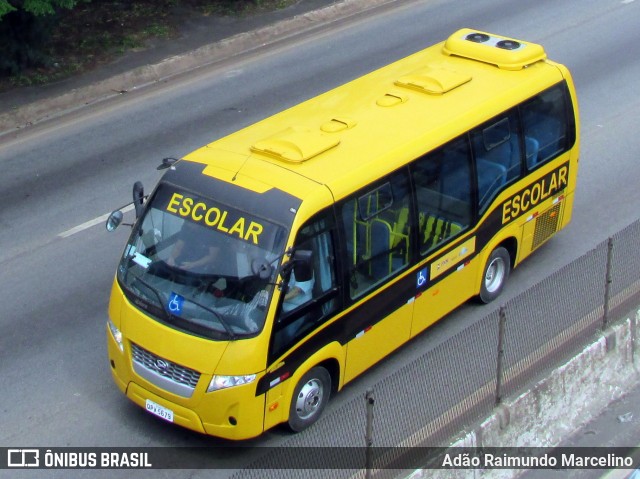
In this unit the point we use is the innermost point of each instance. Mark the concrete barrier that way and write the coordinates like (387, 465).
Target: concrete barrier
(558, 405)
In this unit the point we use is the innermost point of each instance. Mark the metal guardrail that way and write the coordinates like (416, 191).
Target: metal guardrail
(462, 379)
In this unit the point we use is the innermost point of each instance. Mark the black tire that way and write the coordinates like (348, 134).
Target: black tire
(309, 399)
(494, 275)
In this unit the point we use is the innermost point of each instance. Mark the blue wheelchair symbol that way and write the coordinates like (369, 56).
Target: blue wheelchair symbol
(422, 277)
(175, 303)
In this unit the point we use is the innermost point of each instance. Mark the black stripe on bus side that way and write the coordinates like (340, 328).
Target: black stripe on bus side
(382, 304)
(343, 329)
(363, 316)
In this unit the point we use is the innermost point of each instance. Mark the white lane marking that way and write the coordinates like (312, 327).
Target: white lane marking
(90, 223)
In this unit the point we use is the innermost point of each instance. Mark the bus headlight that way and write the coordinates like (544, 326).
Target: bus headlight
(117, 335)
(223, 382)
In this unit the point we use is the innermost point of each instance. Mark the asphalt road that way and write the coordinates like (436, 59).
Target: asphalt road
(56, 265)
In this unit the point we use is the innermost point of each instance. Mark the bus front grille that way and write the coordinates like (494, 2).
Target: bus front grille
(163, 372)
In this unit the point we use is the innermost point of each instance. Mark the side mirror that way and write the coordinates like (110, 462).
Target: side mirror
(138, 197)
(303, 256)
(114, 220)
(300, 257)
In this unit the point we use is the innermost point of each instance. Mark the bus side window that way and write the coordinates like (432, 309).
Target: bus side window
(311, 294)
(544, 119)
(442, 180)
(376, 229)
(497, 153)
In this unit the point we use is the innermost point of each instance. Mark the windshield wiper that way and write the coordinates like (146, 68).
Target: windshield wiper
(168, 315)
(218, 316)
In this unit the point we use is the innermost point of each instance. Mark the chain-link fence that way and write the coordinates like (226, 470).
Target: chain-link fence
(462, 379)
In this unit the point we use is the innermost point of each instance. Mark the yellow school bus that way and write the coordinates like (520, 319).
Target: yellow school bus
(271, 267)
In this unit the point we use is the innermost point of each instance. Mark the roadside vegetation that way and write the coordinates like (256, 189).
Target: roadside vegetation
(49, 40)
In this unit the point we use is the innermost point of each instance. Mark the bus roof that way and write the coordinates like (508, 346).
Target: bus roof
(372, 125)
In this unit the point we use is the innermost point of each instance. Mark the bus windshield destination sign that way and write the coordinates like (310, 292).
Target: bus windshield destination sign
(224, 220)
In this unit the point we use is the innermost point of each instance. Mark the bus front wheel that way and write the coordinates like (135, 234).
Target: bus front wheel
(495, 275)
(309, 399)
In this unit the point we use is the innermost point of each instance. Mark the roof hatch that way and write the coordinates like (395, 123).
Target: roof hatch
(296, 144)
(506, 53)
(435, 81)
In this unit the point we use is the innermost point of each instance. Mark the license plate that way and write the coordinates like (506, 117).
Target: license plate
(160, 411)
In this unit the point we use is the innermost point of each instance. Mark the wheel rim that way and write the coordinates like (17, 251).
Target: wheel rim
(494, 276)
(309, 399)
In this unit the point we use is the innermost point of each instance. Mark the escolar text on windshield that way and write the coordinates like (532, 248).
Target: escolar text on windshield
(224, 220)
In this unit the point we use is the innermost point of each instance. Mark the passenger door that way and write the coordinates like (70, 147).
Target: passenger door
(444, 196)
(377, 231)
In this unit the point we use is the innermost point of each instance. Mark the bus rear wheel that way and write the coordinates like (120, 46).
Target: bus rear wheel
(309, 399)
(495, 275)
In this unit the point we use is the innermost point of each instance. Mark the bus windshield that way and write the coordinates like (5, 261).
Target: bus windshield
(201, 266)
